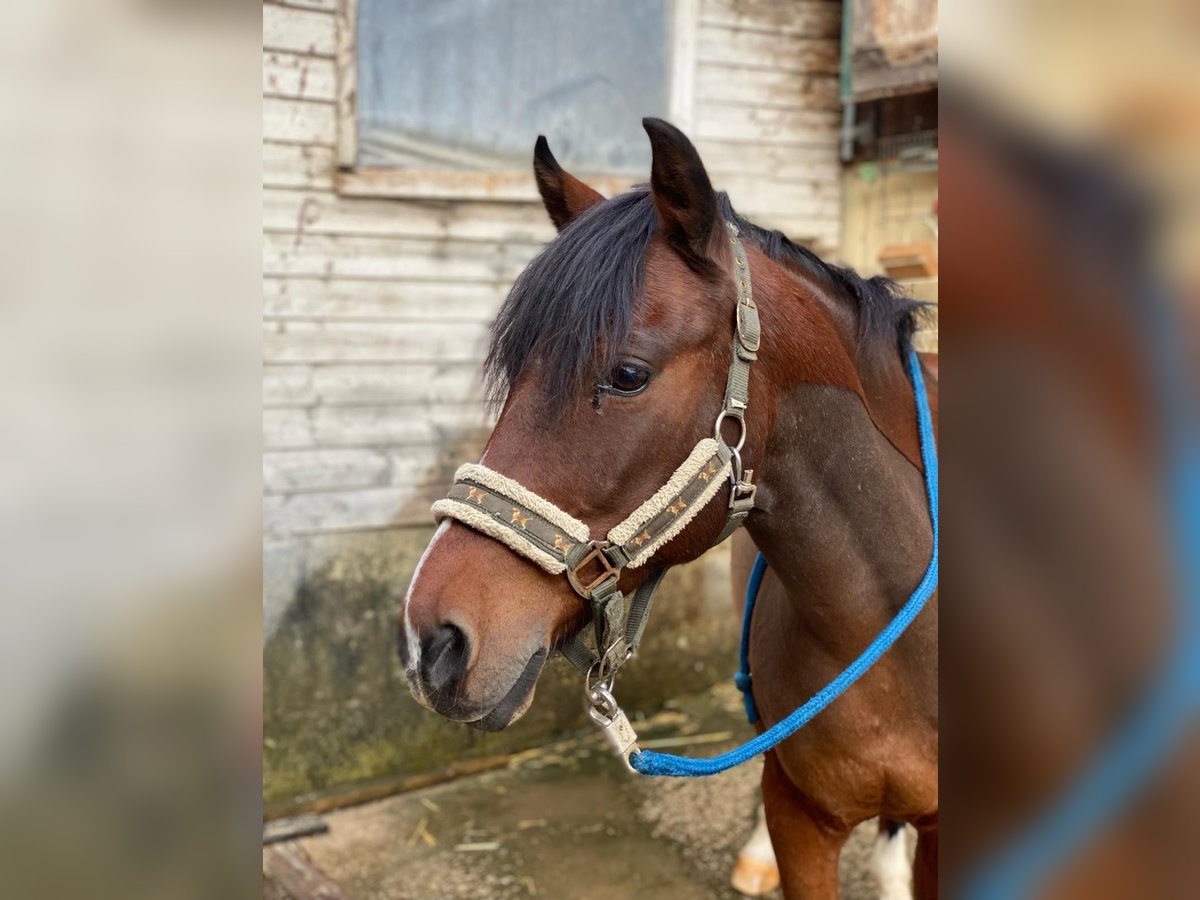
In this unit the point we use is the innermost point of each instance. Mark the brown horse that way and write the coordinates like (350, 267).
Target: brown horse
(612, 352)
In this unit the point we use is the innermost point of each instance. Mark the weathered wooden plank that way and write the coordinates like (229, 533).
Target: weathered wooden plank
(404, 301)
(807, 18)
(683, 25)
(328, 6)
(298, 30)
(516, 185)
(743, 122)
(393, 258)
(754, 49)
(298, 77)
(321, 213)
(324, 469)
(770, 163)
(308, 470)
(359, 426)
(307, 342)
(755, 201)
(347, 82)
(334, 511)
(384, 384)
(811, 200)
(718, 83)
(297, 166)
(298, 121)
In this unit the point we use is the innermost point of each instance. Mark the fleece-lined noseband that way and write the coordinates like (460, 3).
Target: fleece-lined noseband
(533, 527)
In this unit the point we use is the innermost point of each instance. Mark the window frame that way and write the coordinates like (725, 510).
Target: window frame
(516, 185)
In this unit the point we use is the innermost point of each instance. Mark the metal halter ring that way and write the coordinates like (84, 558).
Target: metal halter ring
(735, 415)
(600, 675)
(602, 705)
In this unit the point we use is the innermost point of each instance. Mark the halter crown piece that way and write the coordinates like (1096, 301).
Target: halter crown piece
(533, 527)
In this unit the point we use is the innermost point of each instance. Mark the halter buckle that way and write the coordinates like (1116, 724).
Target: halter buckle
(743, 491)
(606, 571)
(750, 342)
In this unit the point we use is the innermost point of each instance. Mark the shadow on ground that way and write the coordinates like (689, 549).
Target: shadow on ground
(566, 821)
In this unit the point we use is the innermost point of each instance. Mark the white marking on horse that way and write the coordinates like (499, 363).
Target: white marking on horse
(890, 863)
(756, 872)
(410, 633)
(759, 846)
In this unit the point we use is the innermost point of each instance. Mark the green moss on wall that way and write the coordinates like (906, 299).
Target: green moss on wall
(337, 710)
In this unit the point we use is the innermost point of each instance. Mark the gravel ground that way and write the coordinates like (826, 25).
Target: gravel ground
(567, 822)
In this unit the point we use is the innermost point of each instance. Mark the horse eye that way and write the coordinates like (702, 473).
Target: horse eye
(629, 378)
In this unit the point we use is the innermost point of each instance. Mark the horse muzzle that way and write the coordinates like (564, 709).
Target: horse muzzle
(439, 680)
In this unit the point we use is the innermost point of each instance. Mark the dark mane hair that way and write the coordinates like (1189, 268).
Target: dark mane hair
(571, 309)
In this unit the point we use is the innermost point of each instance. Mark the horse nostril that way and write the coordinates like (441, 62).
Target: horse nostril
(443, 657)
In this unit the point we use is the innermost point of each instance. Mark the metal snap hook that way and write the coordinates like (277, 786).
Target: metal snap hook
(604, 711)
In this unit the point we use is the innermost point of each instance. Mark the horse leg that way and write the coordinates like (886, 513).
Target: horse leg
(806, 851)
(925, 868)
(889, 861)
(756, 871)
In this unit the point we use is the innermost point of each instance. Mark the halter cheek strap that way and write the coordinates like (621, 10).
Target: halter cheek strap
(536, 529)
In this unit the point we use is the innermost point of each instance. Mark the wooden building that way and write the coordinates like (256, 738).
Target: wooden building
(379, 284)
(386, 255)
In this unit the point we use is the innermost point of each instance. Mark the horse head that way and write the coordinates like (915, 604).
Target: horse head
(610, 355)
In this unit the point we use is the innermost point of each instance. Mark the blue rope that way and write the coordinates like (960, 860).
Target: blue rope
(742, 676)
(650, 763)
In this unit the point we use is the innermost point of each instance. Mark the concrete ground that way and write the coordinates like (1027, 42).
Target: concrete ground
(568, 822)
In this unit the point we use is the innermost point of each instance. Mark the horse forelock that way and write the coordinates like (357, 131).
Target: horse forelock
(570, 312)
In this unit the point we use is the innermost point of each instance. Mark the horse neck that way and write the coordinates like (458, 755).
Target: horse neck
(842, 516)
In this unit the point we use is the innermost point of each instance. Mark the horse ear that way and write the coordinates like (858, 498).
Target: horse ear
(563, 195)
(686, 201)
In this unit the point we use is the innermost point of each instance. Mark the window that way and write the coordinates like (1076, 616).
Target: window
(451, 94)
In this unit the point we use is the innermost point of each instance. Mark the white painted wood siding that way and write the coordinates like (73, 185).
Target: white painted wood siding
(375, 310)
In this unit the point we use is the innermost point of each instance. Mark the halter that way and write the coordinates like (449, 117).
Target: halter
(533, 527)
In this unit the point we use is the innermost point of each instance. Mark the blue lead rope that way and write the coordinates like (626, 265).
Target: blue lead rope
(742, 676)
(650, 763)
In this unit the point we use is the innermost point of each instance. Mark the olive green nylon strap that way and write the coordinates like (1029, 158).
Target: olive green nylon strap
(583, 658)
(746, 341)
(578, 653)
(738, 510)
(639, 610)
(747, 331)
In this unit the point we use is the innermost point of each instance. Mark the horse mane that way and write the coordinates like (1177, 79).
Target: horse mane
(570, 311)
(886, 315)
